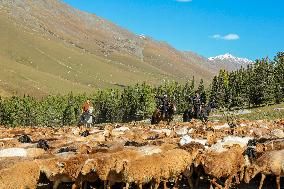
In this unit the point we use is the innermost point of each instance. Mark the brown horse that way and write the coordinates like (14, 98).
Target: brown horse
(158, 114)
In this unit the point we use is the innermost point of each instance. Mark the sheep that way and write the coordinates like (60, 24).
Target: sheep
(21, 152)
(271, 162)
(109, 165)
(176, 162)
(193, 147)
(60, 170)
(142, 170)
(42, 144)
(24, 139)
(211, 138)
(226, 164)
(21, 175)
(270, 146)
(87, 174)
(53, 171)
(157, 167)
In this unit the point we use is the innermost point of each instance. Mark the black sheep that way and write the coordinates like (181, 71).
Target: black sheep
(85, 133)
(67, 149)
(24, 139)
(42, 144)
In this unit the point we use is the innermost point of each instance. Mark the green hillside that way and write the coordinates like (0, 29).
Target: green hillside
(45, 51)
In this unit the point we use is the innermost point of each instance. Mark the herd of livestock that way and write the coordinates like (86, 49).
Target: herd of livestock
(246, 154)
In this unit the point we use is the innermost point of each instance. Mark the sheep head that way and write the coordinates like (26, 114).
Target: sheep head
(51, 168)
(199, 159)
(89, 167)
(120, 166)
(260, 148)
(250, 173)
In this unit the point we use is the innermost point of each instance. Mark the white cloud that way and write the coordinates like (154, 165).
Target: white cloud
(183, 1)
(228, 37)
(231, 37)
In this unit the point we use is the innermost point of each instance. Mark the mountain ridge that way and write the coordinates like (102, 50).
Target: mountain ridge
(229, 62)
(83, 51)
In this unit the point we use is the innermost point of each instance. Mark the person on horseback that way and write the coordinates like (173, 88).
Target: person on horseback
(196, 101)
(164, 105)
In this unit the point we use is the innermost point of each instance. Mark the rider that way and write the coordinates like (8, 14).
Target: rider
(196, 101)
(165, 103)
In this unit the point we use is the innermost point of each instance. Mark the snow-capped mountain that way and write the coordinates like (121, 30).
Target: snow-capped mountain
(229, 57)
(229, 61)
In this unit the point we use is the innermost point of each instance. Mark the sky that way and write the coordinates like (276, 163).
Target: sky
(245, 28)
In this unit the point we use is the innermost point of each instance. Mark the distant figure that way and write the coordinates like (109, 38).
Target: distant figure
(165, 110)
(196, 101)
(86, 117)
(164, 105)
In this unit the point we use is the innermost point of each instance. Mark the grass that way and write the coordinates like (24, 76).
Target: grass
(269, 112)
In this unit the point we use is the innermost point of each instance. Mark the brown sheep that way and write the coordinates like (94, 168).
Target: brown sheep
(109, 165)
(176, 162)
(142, 170)
(157, 167)
(225, 164)
(53, 170)
(21, 176)
(60, 170)
(270, 163)
(270, 146)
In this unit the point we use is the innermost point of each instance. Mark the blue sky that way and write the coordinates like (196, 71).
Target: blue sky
(244, 28)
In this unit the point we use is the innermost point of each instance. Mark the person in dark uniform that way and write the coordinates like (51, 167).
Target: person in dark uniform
(196, 101)
(164, 104)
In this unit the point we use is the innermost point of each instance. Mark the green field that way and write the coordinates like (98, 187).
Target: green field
(271, 112)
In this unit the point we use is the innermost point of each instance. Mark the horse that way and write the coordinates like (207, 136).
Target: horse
(157, 116)
(202, 115)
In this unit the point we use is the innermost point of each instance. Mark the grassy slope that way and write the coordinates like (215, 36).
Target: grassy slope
(29, 62)
(258, 113)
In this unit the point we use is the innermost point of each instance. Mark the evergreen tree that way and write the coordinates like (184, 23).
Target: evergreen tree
(279, 77)
(202, 92)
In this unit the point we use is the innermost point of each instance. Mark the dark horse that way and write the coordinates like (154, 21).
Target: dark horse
(158, 114)
(202, 115)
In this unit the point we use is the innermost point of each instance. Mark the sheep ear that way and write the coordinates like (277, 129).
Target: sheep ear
(124, 164)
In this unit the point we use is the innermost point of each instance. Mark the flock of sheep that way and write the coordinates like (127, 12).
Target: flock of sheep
(136, 155)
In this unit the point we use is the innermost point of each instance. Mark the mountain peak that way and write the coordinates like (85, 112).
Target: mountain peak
(228, 62)
(229, 57)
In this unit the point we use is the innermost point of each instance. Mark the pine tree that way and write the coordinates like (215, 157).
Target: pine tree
(201, 89)
(279, 77)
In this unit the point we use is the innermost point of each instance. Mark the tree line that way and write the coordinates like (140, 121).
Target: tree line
(258, 84)
(261, 83)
